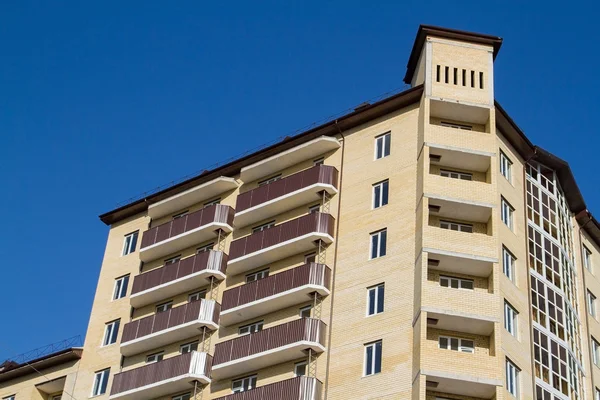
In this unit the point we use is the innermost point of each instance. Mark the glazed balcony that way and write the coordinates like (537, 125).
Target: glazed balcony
(162, 378)
(275, 292)
(179, 277)
(281, 241)
(281, 343)
(284, 194)
(298, 388)
(169, 326)
(186, 231)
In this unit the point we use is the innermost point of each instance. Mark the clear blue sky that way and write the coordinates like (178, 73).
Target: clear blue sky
(100, 101)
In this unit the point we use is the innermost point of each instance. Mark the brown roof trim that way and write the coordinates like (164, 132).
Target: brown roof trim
(453, 34)
(348, 121)
(50, 360)
(590, 225)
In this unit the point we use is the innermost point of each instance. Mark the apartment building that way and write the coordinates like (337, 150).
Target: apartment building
(420, 247)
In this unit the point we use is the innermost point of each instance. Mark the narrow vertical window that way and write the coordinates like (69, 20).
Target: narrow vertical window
(464, 77)
(506, 213)
(375, 297)
(510, 318)
(111, 331)
(378, 243)
(505, 166)
(587, 259)
(305, 311)
(456, 76)
(300, 368)
(591, 303)
(100, 382)
(437, 73)
(380, 194)
(481, 80)
(472, 78)
(597, 394)
(129, 243)
(447, 74)
(512, 378)
(508, 264)
(596, 352)
(373, 358)
(382, 145)
(120, 289)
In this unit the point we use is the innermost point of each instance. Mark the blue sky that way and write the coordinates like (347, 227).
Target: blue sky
(100, 101)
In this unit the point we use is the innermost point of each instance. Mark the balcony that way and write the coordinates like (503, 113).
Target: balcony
(180, 277)
(281, 241)
(450, 382)
(287, 158)
(275, 292)
(285, 194)
(299, 388)
(186, 231)
(281, 343)
(170, 326)
(460, 263)
(162, 378)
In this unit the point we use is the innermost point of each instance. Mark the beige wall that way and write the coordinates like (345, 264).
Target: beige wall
(25, 386)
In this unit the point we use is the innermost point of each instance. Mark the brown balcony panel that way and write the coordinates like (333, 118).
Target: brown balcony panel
(268, 347)
(185, 231)
(170, 326)
(289, 238)
(299, 388)
(184, 275)
(290, 192)
(162, 378)
(275, 292)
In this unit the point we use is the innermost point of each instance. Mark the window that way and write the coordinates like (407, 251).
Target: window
(252, 328)
(380, 194)
(506, 213)
(188, 347)
(57, 397)
(505, 166)
(186, 396)
(262, 227)
(375, 296)
(181, 214)
(243, 384)
(472, 78)
(456, 175)
(591, 303)
(172, 260)
(257, 276)
(587, 259)
(305, 312)
(100, 382)
(205, 248)
(596, 352)
(456, 226)
(197, 296)
(121, 287)
(446, 74)
(373, 358)
(164, 306)
(314, 209)
(310, 258)
(9, 397)
(456, 283)
(156, 357)
(319, 161)
(456, 344)
(510, 319)
(597, 394)
(481, 80)
(382, 145)
(130, 242)
(300, 368)
(378, 243)
(508, 264)
(212, 202)
(269, 180)
(437, 73)
(512, 378)
(456, 126)
(111, 331)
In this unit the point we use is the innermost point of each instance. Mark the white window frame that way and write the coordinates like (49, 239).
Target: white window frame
(254, 327)
(507, 213)
(100, 382)
(508, 264)
(257, 276)
(300, 365)
(130, 243)
(155, 357)
(511, 319)
(262, 227)
(373, 363)
(376, 300)
(461, 283)
(111, 332)
(463, 176)
(596, 394)
(121, 286)
(512, 378)
(596, 352)
(505, 166)
(212, 202)
(461, 348)
(185, 396)
(250, 380)
(304, 309)
(55, 397)
(587, 258)
(180, 215)
(166, 306)
(319, 161)
(383, 140)
(205, 248)
(377, 247)
(269, 180)
(11, 397)
(172, 260)
(384, 188)
(591, 303)
(188, 347)
(314, 209)
(201, 294)
(456, 126)
(309, 256)
(460, 227)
